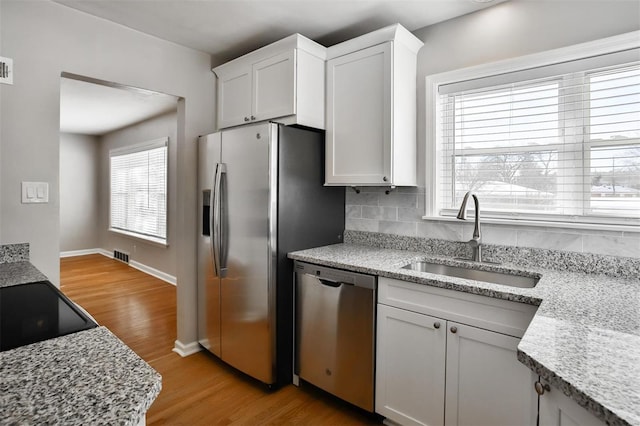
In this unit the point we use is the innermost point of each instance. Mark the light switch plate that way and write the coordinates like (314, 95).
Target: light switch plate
(6, 70)
(35, 192)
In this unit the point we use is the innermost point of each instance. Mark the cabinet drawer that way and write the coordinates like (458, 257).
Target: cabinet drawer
(498, 315)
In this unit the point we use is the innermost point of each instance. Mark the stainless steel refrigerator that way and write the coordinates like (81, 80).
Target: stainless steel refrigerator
(261, 196)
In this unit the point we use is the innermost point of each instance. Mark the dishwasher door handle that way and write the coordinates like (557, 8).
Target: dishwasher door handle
(331, 283)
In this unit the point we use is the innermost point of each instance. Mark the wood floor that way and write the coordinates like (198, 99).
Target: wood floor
(199, 389)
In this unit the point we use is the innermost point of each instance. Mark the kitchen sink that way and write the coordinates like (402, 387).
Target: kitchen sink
(474, 274)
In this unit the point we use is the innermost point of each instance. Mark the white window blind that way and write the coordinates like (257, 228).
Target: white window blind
(558, 147)
(139, 190)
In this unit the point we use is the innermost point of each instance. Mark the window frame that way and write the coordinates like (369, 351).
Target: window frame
(433, 111)
(131, 149)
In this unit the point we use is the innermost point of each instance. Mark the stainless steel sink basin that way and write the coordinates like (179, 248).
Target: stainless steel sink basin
(474, 274)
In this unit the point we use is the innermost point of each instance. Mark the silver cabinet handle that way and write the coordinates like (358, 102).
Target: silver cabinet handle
(246, 119)
(454, 329)
(436, 325)
(384, 178)
(253, 117)
(541, 388)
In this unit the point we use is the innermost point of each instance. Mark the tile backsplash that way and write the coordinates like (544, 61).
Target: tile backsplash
(400, 212)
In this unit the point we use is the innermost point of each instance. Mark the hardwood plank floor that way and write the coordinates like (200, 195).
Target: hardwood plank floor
(199, 389)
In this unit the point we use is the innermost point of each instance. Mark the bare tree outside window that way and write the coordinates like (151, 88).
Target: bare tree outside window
(563, 145)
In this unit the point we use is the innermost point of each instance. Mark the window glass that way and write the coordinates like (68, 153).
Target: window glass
(564, 147)
(139, 192)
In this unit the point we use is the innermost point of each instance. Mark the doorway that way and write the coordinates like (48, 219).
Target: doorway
(98, 118)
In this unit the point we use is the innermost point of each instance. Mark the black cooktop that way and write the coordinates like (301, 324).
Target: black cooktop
(37, 311)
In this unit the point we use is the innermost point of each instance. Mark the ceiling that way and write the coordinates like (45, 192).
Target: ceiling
(230, 28)
(227, 29)
(90, 108)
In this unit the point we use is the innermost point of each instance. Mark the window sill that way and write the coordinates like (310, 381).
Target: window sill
(147, 239)
(541, 224)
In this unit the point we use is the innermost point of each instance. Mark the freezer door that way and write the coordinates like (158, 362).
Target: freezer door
(208, 281)
(247, 308)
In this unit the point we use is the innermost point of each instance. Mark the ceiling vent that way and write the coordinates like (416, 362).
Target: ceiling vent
(6, 70)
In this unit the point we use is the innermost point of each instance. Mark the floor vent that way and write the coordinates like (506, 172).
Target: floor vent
(121, 256)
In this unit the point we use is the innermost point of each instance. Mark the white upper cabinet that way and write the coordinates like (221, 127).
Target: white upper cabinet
(283, 82)
(274, 85)
(371, 109)
(234, 97)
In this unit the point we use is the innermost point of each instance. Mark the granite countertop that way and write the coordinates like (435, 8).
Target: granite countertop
(584, 338)
(89, 377)
(14, 273)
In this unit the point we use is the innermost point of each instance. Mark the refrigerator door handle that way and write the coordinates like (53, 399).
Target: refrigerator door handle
(216, 222)
(223, 222)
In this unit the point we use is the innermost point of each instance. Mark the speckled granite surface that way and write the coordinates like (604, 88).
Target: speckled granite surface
(14, 253)
(524, 256)
(584, 338)
(19, 273)
(15, 267)
(85, 378)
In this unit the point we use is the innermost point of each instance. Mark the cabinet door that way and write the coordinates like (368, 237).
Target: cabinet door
(234, 97)
(556, 409)
(410, 367)
(274, 87)
(359, 117)
(486, 384)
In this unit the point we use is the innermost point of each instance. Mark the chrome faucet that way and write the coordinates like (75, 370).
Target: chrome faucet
(474, 242)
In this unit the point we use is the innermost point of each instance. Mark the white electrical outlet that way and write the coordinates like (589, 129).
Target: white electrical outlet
(6, 70)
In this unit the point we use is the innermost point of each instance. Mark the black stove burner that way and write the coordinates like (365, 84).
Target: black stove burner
(37, 311)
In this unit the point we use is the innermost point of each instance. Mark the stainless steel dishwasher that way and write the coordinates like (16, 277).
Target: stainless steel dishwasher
(335, 332)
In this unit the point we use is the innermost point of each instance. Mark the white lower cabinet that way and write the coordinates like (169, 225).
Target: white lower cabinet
(485, 383)
(557, 409)
(410, 367)
(437, 370)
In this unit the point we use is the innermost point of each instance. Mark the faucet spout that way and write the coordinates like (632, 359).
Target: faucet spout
(462, 215)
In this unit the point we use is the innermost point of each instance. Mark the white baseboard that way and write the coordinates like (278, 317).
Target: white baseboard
(106, 253)
(137, 265)
(154, 272)
(85, 252)
(186, 350)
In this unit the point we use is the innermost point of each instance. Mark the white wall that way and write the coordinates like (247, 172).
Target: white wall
(78, 192)
(154, 255)
(507, 30)
(45, 39)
